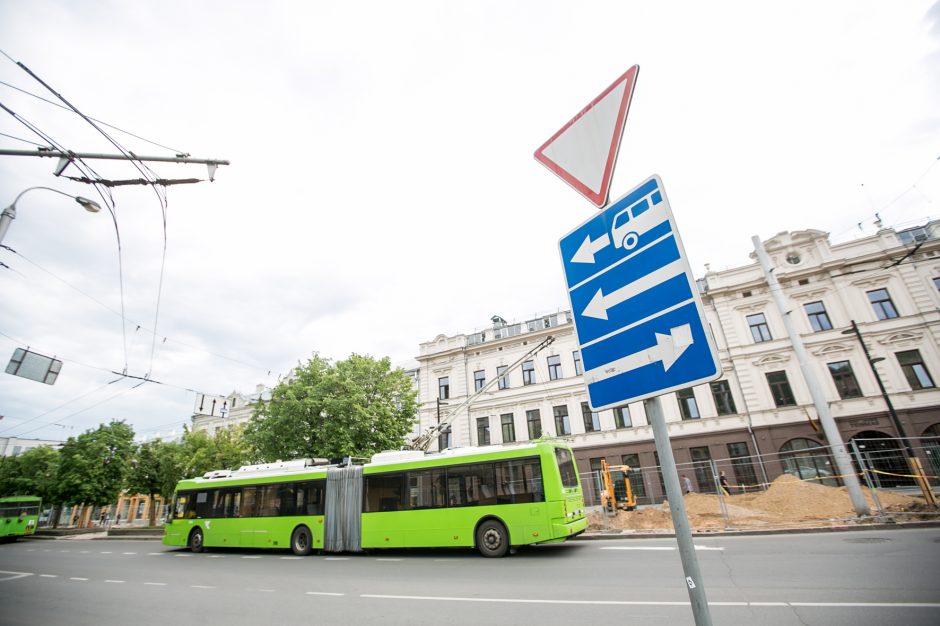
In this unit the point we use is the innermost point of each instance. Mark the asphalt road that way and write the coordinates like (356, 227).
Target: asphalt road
(851, 578)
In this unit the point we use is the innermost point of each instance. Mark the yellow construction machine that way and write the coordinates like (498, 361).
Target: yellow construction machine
(611, 475)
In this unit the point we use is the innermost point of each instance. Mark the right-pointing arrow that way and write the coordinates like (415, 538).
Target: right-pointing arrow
(588, 249)
(668, 349)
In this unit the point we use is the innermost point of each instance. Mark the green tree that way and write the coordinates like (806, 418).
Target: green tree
(32, 473)
(93, 466)
(355, 407)
(155, 469)
(200, 452)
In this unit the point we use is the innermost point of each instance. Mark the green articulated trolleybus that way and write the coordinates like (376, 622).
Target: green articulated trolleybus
(19, 516)
(492, 498)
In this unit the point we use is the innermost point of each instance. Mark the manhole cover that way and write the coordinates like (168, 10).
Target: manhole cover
(868, 540)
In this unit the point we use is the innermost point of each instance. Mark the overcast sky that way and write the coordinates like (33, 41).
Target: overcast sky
(382, 188)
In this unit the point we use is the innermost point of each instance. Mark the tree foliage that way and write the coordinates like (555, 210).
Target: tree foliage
(200, 452)
(93, 466)
(355, 407)
(33, 473)
(154, 470)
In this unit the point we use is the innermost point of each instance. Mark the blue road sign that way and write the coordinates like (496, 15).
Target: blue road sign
(636, 307)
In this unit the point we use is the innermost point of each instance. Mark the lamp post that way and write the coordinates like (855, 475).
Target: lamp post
(912, 461)
(9, 213)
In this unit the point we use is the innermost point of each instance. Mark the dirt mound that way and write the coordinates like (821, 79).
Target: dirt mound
(787, 500)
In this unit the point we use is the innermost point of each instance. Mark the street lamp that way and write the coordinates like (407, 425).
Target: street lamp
(912, 461)
(9, 213)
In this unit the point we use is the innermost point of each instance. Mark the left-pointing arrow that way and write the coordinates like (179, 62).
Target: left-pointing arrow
(600, 303)
(668, 349)
(589, 248)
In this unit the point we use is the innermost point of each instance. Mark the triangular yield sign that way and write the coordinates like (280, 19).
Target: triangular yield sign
(584, 151)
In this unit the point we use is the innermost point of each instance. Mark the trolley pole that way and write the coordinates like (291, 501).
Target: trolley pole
(841, 457)
(913, 462)
(680, 519)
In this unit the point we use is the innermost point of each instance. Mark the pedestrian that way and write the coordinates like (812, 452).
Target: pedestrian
(723, 481)
(687, 484)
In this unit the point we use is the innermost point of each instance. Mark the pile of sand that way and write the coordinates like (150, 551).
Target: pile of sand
(787, 500)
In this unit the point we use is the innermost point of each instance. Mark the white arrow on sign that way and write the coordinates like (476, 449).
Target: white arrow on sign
(588, 249)
(668, 349)
(600, 304)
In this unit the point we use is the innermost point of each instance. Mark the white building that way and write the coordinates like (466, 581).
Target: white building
(212, 414)
(14, 446)
(888, 283)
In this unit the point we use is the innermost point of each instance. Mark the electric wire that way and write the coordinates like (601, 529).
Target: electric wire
(25, 141)
(88, 408)
(54, 409)
(121, 130)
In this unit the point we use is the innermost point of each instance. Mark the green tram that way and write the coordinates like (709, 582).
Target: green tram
(490, 498)
(19, 516)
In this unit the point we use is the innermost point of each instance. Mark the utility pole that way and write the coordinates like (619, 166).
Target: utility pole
(912, 461)
(67, 156)
(839, 453)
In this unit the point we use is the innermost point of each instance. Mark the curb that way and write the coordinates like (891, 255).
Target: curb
(619, 534)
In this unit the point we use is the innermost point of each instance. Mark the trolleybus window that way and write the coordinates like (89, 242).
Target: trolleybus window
(566, 467)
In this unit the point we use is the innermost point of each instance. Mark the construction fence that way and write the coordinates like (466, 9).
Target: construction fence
(797, 487)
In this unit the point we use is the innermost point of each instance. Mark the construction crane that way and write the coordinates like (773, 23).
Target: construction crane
(609, 496)
(423, 441)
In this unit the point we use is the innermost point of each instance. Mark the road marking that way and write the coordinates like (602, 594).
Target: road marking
(76, 578)
(64, 550)
(388, 559)
(14, 575)
(703, 548)
(30, 549)
(48, 575)
(324, 593)
(201, 587)
(154, 554)
(156, 584)
(114, 581)
(84, 551)
(336, 558)
(104, 553)
(251, 557)
(890, 605)
(182, 555)
(291, 558)
(210, 556)
(261, 590)
(128, 553)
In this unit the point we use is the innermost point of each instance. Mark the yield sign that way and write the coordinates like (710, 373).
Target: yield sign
(584, 151)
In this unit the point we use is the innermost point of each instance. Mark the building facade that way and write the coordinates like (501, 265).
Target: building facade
(888, 284)
(14, 446)
(212, 414)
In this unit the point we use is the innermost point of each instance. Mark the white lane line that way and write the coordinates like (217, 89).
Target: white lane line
(261, 590)
(128, 553)
(48, 575)
(64, 550)
(76, 578)
(182, 555)
(156, 584)
(324, 593)
(388, 559)
(104, 553)
(13, 575)
(30, 549)
(703, 548)
(114, 581)
(154, 554)
(213, 556)
(201, 587)
(251, 557)
(84, 552)
(291, 558)
(336, 558)
(888, 605)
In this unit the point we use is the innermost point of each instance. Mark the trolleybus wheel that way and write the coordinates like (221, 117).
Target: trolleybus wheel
(300, 541)
(492, 539)
(196, 541)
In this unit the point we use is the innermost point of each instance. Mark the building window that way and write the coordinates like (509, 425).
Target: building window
(444, 441)
(443, 388)
(508, 426)
(503, 379)
(528, 373)
(483, 431)
(818, 318)
(844, 378)
(702, 466)
(554, 367)
(936, 283)
(881, 302)
(743, 468)
(780, 388)
(687, 404)
(622, 417)
(759, 330)
(562, 422)
(578, 367)
(534, 420)
(479, 379)
(592, 422)
(914, 369)
(724, 401)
